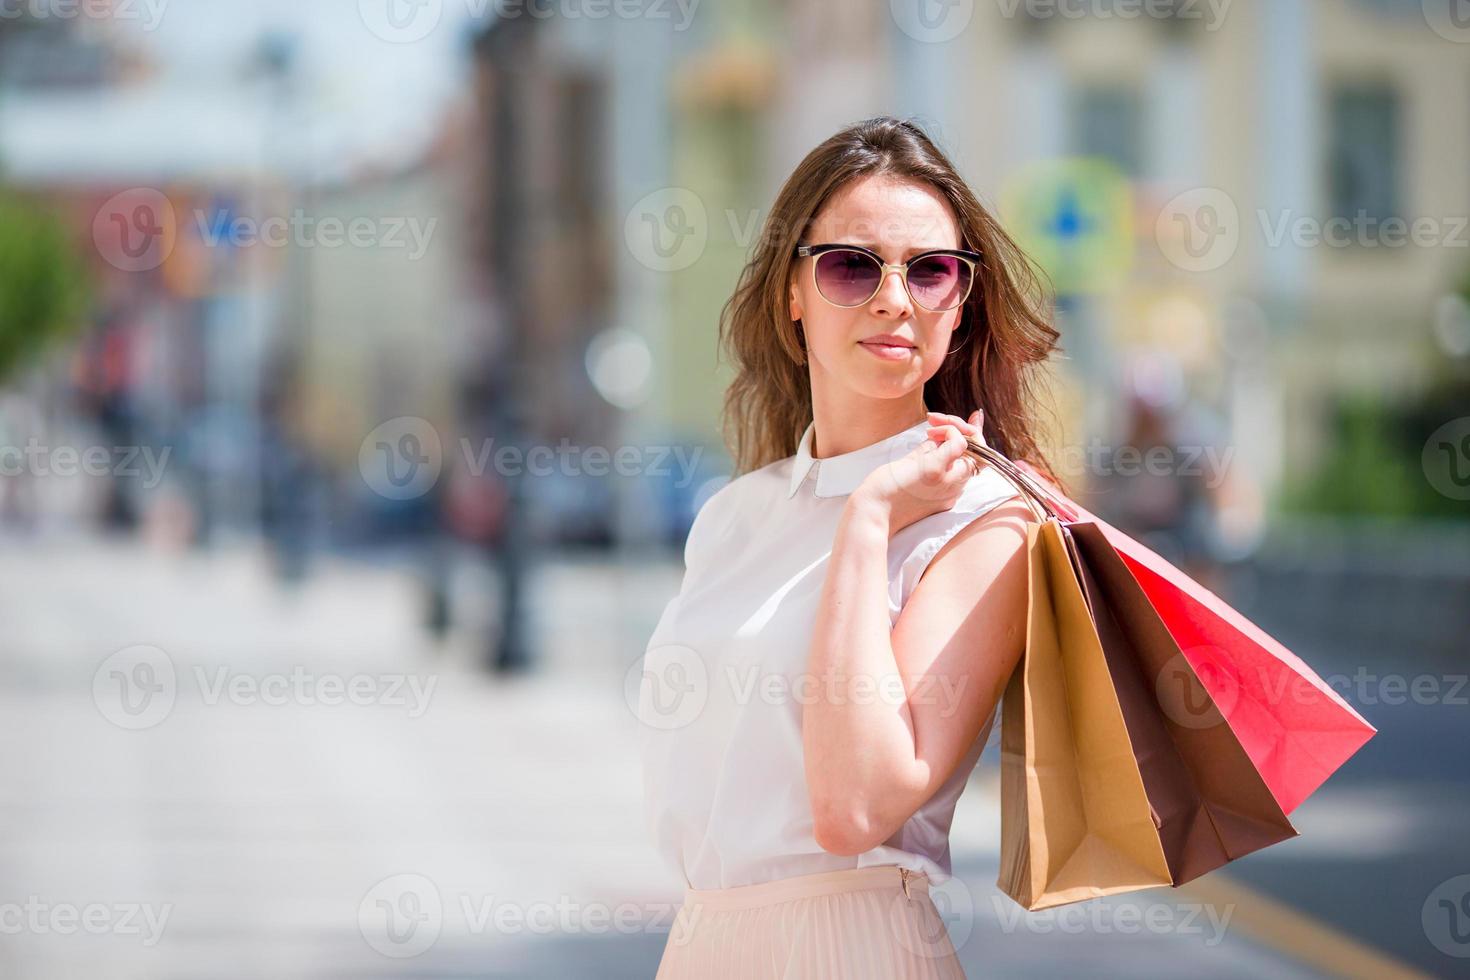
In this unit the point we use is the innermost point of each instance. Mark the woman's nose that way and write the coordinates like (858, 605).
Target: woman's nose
(892, 297)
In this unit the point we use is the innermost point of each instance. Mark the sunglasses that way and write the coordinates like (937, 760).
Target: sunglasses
(849, 275)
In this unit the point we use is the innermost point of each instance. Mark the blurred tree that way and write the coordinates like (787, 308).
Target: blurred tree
(44, 286)
(1375, 467)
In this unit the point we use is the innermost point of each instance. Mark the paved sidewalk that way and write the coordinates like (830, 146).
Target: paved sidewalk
(325, 793)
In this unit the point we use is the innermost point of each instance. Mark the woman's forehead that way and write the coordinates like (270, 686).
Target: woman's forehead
(888, 214)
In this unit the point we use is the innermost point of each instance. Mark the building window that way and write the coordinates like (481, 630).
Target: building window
(1107, 121)
(1363, 162)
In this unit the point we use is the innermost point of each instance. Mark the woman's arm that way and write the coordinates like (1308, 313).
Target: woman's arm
(908, 702)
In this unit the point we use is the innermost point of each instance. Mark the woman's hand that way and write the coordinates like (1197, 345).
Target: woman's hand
(927, 480)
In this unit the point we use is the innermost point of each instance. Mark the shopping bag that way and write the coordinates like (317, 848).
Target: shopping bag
(1075, 817)
(1296, 729)
(1210, 803)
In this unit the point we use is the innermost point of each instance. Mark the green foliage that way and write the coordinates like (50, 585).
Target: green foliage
(44, 287)
(1376, 464)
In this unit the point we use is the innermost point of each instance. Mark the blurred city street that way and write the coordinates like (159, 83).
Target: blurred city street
(365, 366)
(257, 826)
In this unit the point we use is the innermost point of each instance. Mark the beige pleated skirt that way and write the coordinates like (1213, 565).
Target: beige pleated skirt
(873, 923)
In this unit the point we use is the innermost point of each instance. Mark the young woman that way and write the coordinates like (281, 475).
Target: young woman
(854, 600)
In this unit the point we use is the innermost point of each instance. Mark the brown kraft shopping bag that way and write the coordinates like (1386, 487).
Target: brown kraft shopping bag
(1075, 817)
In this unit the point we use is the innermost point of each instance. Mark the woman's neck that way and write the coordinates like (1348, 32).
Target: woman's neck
(845, 428)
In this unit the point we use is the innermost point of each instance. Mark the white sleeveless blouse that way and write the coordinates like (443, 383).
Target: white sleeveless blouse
(723, 679)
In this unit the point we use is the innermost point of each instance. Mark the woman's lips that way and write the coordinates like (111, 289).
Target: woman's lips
(888, 350)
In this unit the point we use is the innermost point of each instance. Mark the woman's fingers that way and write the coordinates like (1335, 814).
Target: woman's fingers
(955, 420)
(953, 443)
(973, 426)
(948, 438)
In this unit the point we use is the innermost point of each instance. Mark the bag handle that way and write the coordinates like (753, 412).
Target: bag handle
(1038, 499)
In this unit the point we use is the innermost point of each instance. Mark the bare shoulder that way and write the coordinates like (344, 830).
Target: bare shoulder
(989, 541)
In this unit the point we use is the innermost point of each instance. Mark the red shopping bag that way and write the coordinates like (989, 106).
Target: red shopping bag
(1296, 729)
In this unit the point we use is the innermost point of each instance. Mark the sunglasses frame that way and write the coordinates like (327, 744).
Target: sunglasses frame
(972, 259)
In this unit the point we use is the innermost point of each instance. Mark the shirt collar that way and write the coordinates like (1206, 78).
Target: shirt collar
(841, 474)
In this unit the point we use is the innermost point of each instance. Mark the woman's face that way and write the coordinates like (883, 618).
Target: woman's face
(897, 219)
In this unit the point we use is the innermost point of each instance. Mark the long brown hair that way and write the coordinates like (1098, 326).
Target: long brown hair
(1006, 334)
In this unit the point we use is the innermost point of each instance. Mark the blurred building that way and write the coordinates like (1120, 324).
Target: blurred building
(1249, 143)
(280, 268)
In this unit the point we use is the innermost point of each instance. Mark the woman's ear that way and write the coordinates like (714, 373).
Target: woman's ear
(795, 303)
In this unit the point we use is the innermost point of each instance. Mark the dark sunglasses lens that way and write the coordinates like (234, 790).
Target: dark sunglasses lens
(939, 282)
(845, 277)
